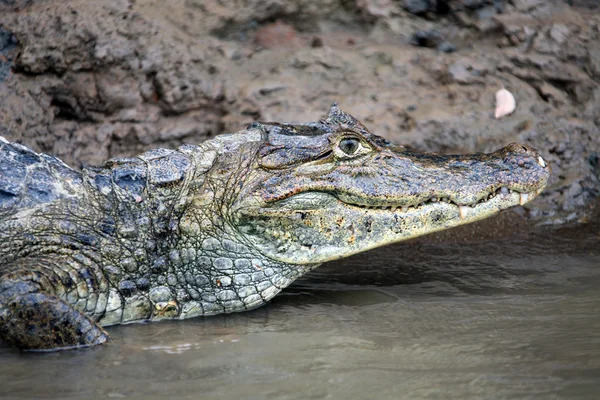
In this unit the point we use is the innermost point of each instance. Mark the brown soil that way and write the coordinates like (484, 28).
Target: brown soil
(86, 81)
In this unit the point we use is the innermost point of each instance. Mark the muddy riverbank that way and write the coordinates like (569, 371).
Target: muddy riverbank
(86, 81)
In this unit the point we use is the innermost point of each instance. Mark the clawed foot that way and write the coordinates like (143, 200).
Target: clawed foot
(42, 322)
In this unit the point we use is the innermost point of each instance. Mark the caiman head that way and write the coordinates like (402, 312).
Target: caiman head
(330, 189)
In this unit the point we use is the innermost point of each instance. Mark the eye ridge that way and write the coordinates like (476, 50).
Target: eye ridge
(349, 145)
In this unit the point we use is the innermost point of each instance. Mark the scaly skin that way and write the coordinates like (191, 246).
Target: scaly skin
(223, 226)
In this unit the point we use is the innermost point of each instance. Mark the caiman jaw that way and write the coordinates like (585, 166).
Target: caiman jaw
(333, 189)
(508, 196)
(521, 175)
(318, 226)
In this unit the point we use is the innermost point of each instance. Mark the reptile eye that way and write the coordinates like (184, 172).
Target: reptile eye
(349, 146)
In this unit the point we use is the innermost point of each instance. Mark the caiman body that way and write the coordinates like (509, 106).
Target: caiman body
(223, 226)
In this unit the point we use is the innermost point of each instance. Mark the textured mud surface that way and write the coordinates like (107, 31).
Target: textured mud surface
(90, 80)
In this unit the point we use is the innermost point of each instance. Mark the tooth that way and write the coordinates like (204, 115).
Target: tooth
(523, 198)
(462, 210)
(541, 161)
(393, 208)
(433, 199)
(404, 208)
(504, 190)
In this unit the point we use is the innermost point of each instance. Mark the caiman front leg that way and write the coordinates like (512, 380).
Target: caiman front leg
(34, 317)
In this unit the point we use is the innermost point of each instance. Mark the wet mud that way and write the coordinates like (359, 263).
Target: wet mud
(87, 81)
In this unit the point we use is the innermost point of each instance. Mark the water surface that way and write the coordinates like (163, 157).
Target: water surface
(512, 317)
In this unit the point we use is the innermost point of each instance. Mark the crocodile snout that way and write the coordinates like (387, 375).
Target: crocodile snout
(529, 152)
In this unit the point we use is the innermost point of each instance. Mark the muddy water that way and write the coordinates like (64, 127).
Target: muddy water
(516, 317)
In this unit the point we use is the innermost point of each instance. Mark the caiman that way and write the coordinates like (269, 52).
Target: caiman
(222, 226)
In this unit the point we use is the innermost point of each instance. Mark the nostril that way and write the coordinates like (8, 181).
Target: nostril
(517, 148)
(521, 149)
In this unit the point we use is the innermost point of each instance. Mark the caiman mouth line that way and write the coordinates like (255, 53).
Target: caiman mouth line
(523, 198)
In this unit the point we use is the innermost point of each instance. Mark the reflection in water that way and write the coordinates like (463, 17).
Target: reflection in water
(181, 347)
(508, 318)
